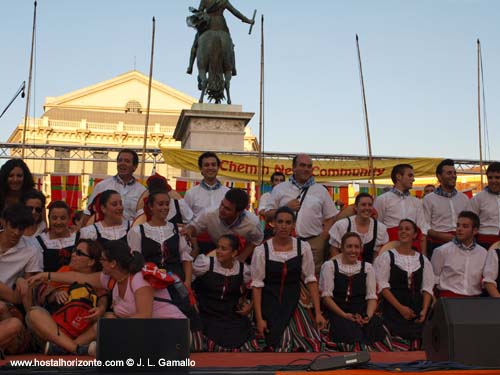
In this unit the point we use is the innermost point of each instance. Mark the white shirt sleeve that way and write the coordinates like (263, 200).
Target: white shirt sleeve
(186, 212)
(184, 250)
(382, 236)
(326, 279)
(258, 267)
(35, 262)
(201, 265)
(371, 283)
(421, 221)
(382, 267)
(200, 223)
(490, 271)
(307, 264)
(134, 239)
(88, 233)
(337, 231)
(438, 259)
(428, 280)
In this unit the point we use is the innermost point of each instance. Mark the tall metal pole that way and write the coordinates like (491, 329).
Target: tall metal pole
(261, 107)
(370, 156)
(26, 112)
(479, 111)
(143, 167)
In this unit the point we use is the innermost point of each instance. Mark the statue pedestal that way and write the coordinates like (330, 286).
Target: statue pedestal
(212, 127)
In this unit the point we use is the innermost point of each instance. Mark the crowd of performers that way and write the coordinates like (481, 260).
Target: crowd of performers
(314, 279)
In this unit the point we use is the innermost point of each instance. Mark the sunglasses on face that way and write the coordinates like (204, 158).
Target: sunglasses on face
(81, 253)
(38, 210)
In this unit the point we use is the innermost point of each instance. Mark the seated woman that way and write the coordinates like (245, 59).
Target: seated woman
(109, 223)
(277, 268)
(77, 334)
(159, 241)
(220, 286)
(405, 280)
(35, 200)
(15, 180)
(133, 297)
(57, 242)
(348, 288)
(373, 233)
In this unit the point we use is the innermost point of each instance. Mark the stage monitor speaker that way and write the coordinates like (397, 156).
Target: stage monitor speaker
(464, 330)
(144, 345)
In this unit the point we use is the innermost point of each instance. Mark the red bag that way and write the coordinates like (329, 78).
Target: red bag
(71, 317)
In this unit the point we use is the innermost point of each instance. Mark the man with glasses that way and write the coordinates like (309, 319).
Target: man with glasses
(35, 201)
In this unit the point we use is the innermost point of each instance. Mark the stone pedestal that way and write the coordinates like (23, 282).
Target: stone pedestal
(212, 127)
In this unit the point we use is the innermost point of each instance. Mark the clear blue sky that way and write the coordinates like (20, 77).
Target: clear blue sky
(419, 62)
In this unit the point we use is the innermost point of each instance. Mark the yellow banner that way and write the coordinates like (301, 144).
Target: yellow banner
(245, 167)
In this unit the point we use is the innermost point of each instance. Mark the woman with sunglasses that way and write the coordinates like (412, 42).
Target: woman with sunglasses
(54, 337)
(15, 180)
(57, 242)
(35, 201)
(133, 297)
(158, 240)
(109, 221)
(405, 280)
(278, 268)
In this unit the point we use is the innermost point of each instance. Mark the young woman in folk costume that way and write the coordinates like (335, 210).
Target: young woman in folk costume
(159, 242)
(109, 222)
(76, 336)
(58, 241)
(221, 288)
(132, 295)
(405, 280)
(278, 267)
(349, 292)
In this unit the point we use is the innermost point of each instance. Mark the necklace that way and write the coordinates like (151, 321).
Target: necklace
(122, 279)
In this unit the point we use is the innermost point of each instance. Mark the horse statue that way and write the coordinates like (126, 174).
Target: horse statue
(213, 48)
(215, 57)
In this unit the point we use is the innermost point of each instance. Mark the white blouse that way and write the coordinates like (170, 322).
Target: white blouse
(258, 265)
(114, 232)
(202, 265)
(327, 276)
(56, 243)
(407, 263)
(158, 234)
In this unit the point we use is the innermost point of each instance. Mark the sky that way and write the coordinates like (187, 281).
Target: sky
(419, 63)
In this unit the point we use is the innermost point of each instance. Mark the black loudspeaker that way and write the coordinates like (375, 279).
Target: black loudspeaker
(464, 330)
(144, 345)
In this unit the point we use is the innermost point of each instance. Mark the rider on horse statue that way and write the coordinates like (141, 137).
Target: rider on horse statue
(209, 16)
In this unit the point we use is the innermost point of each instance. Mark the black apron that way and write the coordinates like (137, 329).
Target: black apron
(165, 255)
(218, 300)
(280, 294)
(410, 296)
(103, 240)
(368, 248)
(53, 259)
(177, 218)
(349, 294)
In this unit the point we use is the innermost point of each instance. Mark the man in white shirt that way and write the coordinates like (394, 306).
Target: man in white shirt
(123, 182)
(441, 207)
(458, 264)
(18, 260)
(276, 178)
(230, 218)
(397, 204)
(315, 209)
(486, 204)
(206, 196)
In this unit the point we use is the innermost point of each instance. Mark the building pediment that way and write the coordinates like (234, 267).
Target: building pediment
(129, 90)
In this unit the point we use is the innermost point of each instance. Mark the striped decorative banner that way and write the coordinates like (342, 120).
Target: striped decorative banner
(68, 189)
(38, 179)
(93, 181)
